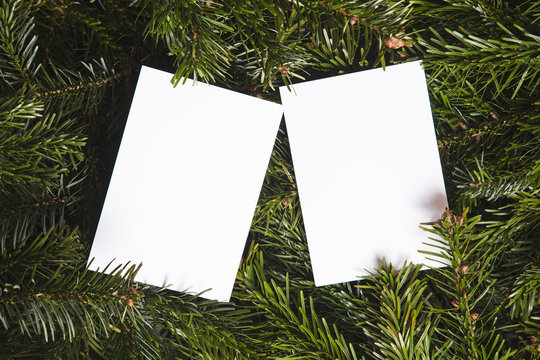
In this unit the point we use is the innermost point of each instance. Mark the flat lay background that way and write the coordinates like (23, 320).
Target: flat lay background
(69, 71)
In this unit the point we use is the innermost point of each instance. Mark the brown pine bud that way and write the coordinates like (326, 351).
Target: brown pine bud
(353, 19)
(474, 316)
(285, 202)
(455, 303)
(283, 69)
(130, 302)
(394, 43)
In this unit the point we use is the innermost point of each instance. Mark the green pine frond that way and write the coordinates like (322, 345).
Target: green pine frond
(18, 47)
(62, 307)
(47, 147)
(293, 329)
(525, 294)
(29, 259)
(467, 285)
(394, 317)
(199, 329)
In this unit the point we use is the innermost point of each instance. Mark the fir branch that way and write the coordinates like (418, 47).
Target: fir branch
(486, 66)
(40, 153)
(293, 328)
(81, 302)
(199, 328)
(49, 202)
(467, 278)
(32, 259)
(525, 294)
(193, 32)
(393, 316)
(82, 86)
(18, 46)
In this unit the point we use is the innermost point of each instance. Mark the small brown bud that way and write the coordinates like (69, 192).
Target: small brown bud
(130, 302)
(285, 202)
(455, 303)
(283, 69)
(394, 43)
(353, 19)
(474, 316)
(464, 268)
(342, 11)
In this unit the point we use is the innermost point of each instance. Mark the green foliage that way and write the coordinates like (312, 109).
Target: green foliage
(395, 321)
(466, 280)
(292, 328)
(68, 70)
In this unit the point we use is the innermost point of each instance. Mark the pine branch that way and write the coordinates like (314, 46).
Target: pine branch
(394, 319)
(199, 329)
(18, 47)
(293, 329)
(40, 153)
(487, 66)
(194, 33)
(525, 294)
(482, 183)
(466, 279)
(26, 261)
(66, 306)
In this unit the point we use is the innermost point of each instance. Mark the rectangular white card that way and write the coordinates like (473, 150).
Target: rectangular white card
(186, 183)
(367, 167)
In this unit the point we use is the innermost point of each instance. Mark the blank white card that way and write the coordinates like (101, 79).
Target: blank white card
(186, 183)
(367, 168)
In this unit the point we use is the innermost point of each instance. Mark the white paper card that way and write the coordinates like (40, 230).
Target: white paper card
(367, 168)
(186, 183)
